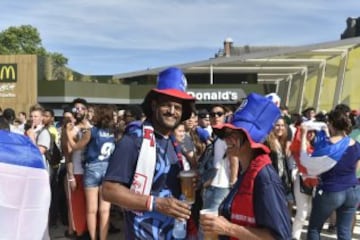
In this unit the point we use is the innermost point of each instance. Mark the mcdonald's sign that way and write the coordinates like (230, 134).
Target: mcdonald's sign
(8, 73)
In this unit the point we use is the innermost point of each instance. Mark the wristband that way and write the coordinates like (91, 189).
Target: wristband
(153, 208)
(149, 202)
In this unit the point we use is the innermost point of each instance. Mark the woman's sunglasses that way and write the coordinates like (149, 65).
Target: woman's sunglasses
(217, 114)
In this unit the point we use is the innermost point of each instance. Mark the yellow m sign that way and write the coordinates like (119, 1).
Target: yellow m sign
(8, 72)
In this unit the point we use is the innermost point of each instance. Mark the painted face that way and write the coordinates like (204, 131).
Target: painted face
(217, 116)
(168, 112)
(279, 128)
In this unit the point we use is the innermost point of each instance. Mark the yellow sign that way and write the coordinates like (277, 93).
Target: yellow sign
(8, 72)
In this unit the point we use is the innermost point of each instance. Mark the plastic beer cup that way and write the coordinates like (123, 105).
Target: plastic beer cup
(209, 211)
(187, 185)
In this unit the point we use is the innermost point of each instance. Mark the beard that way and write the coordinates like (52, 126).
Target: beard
(79, 117)
(167, 121)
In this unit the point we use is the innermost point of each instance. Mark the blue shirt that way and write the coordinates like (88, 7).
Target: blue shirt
(343, 174)
(122, 165)
(101, 145)
(270, 206)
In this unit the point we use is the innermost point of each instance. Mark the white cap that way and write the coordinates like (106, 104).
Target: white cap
(121, 112)
(274, 98)
(313, 125)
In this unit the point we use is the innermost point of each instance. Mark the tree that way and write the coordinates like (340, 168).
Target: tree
(58, 65)
(26, 39)
(58, 58)
(21, 40)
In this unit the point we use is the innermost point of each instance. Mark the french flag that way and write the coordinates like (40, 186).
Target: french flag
(24, 189)
(295, 148)
(326, 154)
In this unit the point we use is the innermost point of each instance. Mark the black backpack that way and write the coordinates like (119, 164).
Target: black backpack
(53, 155)
(206, 168)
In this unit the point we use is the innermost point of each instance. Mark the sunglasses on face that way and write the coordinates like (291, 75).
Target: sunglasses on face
(217, 114)
(78, 109)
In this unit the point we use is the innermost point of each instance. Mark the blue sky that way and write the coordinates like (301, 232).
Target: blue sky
(118, 36)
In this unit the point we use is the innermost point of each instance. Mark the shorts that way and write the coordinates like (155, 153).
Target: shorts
(94, 173)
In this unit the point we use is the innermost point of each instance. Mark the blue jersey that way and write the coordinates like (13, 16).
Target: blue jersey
(122, 165)
(101, 145)
(343, 175)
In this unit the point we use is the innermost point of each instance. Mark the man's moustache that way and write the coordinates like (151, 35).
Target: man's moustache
(169, 115)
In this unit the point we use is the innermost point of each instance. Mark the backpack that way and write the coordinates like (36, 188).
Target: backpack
(53, 155)
(206, 168)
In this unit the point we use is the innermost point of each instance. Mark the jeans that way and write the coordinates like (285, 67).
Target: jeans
(344, 203)
(213, 196)
(94, 173)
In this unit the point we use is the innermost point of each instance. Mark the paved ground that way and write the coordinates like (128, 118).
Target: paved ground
(57, 233)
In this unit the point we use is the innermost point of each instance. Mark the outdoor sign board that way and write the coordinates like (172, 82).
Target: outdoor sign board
(218, 95)
(8, 78)
(8, 73)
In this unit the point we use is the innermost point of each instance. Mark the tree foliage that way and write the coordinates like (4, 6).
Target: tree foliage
(21, 40)
(26, 39)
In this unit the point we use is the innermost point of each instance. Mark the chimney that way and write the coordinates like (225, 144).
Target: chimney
(228, 46)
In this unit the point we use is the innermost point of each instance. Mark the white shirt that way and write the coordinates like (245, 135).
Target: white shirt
(78, 156)
(222, 177)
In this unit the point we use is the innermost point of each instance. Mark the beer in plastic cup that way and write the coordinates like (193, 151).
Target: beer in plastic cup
(209, 211)
(187, 185)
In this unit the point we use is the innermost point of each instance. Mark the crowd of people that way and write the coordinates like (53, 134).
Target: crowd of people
(264, 163)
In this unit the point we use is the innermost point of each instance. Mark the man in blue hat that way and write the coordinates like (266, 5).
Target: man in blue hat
(142, 173)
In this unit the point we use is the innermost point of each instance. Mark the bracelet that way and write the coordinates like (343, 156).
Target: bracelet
(71, 179)
(149, 203)
(153, 208)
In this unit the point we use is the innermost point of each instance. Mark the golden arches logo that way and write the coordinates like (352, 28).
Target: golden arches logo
(8, 72)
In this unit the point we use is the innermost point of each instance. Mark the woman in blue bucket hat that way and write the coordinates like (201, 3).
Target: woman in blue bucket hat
(256, 206)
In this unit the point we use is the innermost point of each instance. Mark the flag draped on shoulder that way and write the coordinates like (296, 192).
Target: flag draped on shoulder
(325, 156)
(295, 148)
(24, 189)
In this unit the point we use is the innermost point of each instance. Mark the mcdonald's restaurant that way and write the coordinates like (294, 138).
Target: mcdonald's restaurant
(318, 75)
(24, 81)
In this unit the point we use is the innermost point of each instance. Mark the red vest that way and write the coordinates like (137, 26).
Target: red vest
(242, 208)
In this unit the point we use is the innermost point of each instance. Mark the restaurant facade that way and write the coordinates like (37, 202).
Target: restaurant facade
(319, 75)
